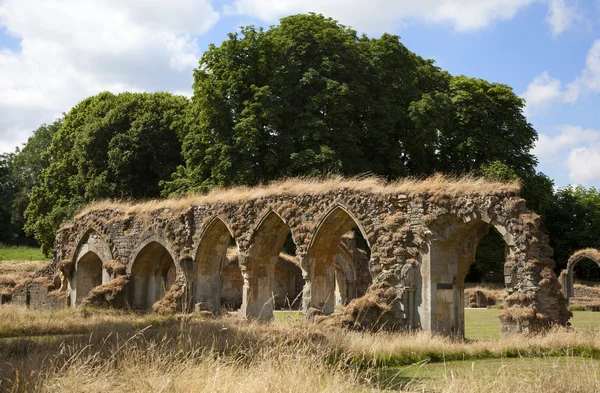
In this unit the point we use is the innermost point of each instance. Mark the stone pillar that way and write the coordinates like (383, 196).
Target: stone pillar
(257, 294)
(323, 289)
(307, 288)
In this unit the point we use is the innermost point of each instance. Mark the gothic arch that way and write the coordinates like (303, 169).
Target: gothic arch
(88, 260)
(321, 257)
(153, 271)
(209, 260)
(266, 243)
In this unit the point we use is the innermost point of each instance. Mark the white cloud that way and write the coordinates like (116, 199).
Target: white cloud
(547, 148)
(583, 165)
(378, 16)
(71, 49)
(545, 90)
(580, 151)
(560, 16)
(590, 78)
(542, 91)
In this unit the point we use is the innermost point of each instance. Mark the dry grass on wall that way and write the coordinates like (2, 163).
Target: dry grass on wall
(435, 186)
(15, 272)
(492, 294)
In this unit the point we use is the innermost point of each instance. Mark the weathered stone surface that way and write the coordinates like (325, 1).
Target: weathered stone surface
(421, 248)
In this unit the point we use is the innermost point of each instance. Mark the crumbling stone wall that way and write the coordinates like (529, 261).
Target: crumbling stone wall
(421, 247)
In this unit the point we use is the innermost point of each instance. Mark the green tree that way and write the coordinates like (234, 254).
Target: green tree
(108, 146)
(307, 97)
(7, 191)
(310, 97)
(573, 222)
(28, 164)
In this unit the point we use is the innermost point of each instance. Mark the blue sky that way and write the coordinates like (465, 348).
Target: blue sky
(54, 53)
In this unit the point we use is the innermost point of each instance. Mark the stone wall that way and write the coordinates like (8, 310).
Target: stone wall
(421, 244)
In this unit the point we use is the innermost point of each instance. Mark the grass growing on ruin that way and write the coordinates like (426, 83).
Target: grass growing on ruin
(435, 186)
(20, 253)
(15, 271)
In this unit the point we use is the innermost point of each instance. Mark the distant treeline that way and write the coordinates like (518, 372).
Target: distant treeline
(306, 97)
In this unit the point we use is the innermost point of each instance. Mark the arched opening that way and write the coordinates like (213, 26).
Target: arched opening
(218, 279)
(484, 282)
(337, 262)
(232, 280)
(153, 273)
(288, 277)
(260, 292)
(86, 270)
(87, 275)
(586, 283)
(445, 266)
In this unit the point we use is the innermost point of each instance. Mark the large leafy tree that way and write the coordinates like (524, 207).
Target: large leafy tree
(28, 164)
(573, 221)
(108, 146)
(310, 96)
(7, 191)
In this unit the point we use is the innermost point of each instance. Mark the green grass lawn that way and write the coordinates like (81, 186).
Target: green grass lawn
(483, 324)
(287, 316)
(21, 253)
(438, 375)
(480, 323)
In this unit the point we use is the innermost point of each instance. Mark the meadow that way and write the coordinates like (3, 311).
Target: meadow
(92, 350)
(21, 253)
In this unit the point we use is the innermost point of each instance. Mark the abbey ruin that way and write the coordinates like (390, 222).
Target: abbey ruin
(225, 250)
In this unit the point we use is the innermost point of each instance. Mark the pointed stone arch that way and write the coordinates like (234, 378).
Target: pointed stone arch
(87, 267)
(209, 260)
(258, 267)
(153, 271)
(450, 251)
(319, 291)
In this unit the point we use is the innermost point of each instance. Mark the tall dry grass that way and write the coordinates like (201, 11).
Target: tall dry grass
(435, 186)
(123, 351)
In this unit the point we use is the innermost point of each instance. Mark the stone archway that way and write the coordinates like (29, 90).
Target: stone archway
(259, 267)
(87, 275)
(451, 249)
(153, 272)
(345, 276)
(86, 271)
(566, 276)
(320, 287)
(210, 263)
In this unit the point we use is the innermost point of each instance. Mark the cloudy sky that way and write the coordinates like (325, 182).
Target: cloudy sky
(54, 53)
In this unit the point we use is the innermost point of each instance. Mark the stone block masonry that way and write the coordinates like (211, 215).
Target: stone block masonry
(422, 237)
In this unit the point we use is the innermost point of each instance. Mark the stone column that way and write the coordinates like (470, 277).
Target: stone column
(257, 294)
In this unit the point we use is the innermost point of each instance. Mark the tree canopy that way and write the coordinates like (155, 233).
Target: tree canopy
(108, 146)
(310, 97)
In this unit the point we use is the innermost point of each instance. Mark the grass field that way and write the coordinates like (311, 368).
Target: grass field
(83, 350)
(483, 324)
(21, 253)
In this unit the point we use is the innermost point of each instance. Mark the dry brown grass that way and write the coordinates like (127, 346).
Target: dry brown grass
(14, 272)
(435, 186)
(104, 295)
(189, 354)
